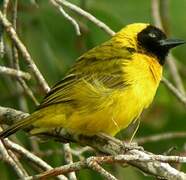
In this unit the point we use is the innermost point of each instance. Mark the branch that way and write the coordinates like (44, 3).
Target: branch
(155, 6)
(7, 158)
(175, 91)
(67, 16)
(18, 164)
(14, 73)
(69, 159)
(175, 74)
(15, 39)
(155, 13)
(94, 161)
(14, 57)
(93, 164)
(87, 15)
(2, 47)
(160, 137)
(147, 162)
(31, 157)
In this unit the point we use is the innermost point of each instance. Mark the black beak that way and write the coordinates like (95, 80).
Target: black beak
(171, 43)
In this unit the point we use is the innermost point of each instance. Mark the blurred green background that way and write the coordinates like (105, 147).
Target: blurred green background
(54, 46)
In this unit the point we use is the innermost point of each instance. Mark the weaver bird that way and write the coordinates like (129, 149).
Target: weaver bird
(107, 88)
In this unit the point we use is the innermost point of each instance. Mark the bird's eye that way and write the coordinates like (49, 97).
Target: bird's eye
(152, 35)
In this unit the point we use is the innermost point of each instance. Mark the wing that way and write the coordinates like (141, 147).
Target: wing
(91, 80)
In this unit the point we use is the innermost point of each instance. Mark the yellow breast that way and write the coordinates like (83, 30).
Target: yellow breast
(143, 74)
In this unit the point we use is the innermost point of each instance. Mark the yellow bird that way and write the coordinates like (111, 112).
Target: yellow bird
(107, 88)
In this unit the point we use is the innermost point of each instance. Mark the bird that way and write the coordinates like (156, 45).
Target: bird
(107, 87)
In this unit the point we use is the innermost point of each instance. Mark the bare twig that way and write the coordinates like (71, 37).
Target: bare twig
(14, 72)
(164, 9)
(14, 157)
(175, 91)
(171, 60)
(15, 62)
(7, 158)
(96, 167)
(15, 59)
(155, 13)
(14, 37)
(165, 15)
(160, 137)
(87, 15)
(5, 7)
(69, 159)
(94, 162)
(28, 91)
(67, 16)
(8, 116)
(2, 47)
(175, 74)
(31, 157)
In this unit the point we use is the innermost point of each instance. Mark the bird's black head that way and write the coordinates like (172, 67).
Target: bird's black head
(154, 41)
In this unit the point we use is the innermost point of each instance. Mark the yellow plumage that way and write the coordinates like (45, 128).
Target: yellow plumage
(106, 89)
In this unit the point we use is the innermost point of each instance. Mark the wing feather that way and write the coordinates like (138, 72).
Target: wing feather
(91, 80)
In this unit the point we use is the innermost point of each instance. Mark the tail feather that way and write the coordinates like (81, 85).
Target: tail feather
(17, 126)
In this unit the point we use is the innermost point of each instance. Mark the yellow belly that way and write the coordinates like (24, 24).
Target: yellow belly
(126, 106)
(110, 120)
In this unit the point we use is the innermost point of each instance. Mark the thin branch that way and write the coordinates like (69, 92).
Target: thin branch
(7, 158)
(14, 73)
(69, 160)
(8, 116)
(160, 137)
(14, 157)
(165, 15)
(155, 6)
(165, 18)
(14, 37)
(175, 91)
(175, 74)
(15, 59)
(87, 15)
(30, 156)
(61, 170)
(67, 16)
(28, 91)
(5, 7)
(2, 47)
(94, 162)
(96, 167)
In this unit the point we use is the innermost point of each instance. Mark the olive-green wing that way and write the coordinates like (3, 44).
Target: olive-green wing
(90, 81)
